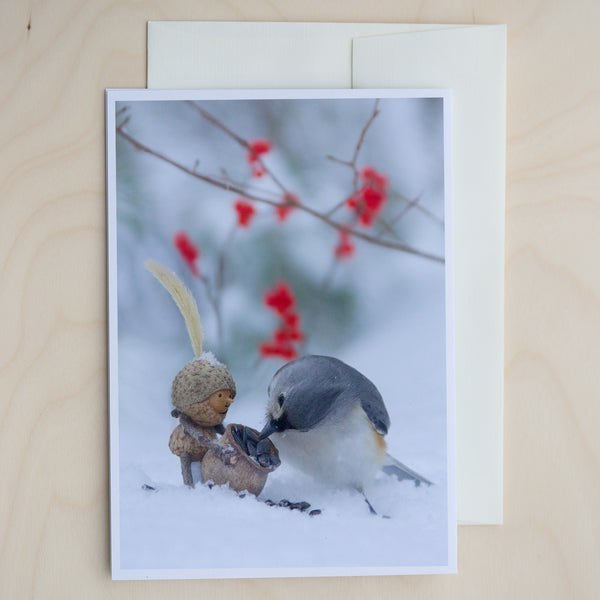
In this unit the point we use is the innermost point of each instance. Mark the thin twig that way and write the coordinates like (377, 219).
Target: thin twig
(362, 138)
(415, 204)
(301, 206)
(346, 163)
(399, 216)
(220, 282)
(225, 452)
(336, 207)
(245, 187)
(206, 115)
(387, 226)
(352, 163)
(222, 258)
(240, 140)
(322, 293)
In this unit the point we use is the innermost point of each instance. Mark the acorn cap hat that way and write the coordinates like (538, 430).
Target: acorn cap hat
(198, 380)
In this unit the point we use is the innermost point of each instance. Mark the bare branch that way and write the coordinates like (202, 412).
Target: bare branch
(325, 218)
(361, 139)
(416, 205)
(225, 178)
(240, 140)
(206, 115)
(346, 163)
(336, 207)
(208, 179)
(322, 292)
(352, 163)
(387, 227)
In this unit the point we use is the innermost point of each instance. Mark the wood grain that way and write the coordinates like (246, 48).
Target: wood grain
(56, 58)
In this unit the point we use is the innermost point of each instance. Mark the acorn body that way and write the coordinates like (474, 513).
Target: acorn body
(181, 443)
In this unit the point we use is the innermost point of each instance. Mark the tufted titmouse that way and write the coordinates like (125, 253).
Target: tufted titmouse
(329, 420)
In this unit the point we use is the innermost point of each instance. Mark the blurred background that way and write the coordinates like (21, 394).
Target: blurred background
(338, 300)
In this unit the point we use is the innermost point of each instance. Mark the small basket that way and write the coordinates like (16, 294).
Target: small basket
(240, 471)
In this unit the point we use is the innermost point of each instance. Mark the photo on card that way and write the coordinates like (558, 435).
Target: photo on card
(281, 360)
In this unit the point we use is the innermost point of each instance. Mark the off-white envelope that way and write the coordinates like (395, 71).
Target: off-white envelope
(469, 60)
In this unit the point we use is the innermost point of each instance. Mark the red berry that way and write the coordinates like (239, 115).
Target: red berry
(345, 247)
(245, 212)
(188, 251)
(280, 298)
(288, 203)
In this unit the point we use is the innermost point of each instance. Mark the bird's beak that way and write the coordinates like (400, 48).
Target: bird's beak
(268, 429)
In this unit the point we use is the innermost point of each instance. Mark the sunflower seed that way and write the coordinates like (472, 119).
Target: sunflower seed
(263, 447)
(264, 460)
(251, 446)
(252, 435)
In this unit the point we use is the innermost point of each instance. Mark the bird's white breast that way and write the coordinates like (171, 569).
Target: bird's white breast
(345, 453)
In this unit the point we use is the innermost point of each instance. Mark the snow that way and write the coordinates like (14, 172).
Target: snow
(179, 528)
(210, 358)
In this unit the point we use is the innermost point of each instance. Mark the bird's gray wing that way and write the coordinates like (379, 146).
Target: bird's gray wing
(335, 384)
(394, 467)
(372, 403)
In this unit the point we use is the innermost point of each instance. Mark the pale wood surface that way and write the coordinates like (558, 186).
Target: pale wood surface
(54, 527)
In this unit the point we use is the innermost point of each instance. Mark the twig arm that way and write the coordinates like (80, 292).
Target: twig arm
(226, 453)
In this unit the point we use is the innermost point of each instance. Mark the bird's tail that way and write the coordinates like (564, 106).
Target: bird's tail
(394, 467)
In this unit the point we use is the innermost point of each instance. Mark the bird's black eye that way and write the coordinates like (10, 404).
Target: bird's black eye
(280, 400)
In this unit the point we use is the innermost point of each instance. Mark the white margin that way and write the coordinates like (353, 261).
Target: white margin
(124, 95)
(450, 342)
(113, 346)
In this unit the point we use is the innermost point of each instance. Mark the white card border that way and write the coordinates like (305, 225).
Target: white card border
(123, 95)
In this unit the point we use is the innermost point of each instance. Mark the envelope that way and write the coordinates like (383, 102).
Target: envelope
(471, 61)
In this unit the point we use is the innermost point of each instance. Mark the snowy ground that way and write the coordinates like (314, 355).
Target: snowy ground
(180, 528)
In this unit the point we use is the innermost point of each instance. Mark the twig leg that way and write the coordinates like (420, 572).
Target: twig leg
(371, 509)
(186, 469)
